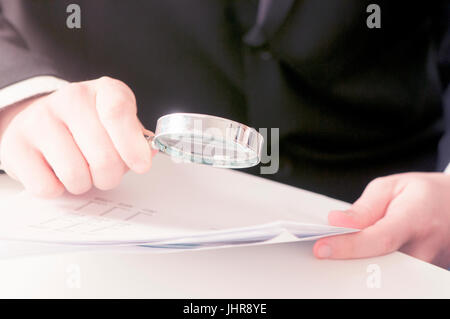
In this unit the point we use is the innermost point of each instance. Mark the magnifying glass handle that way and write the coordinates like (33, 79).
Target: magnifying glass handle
(149, 138)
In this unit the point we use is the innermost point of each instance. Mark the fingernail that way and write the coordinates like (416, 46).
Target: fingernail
(324, 251)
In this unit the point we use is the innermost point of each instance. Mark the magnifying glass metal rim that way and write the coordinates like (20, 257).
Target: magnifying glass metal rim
(242, 136)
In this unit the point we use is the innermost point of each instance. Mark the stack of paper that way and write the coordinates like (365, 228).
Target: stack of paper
(180, 206)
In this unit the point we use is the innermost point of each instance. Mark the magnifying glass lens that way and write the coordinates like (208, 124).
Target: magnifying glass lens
(218, 142)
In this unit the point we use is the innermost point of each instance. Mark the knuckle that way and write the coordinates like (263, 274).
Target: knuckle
(75, 90)
(377, 182)
(105, 79)
(64, 99)
(421, 183)
(106, 83)
(117, 109)
(422, 189)
(117, 99)
(118, 85)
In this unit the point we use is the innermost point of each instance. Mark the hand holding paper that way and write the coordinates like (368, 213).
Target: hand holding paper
(396, 213)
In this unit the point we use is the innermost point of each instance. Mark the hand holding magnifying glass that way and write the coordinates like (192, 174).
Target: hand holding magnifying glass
(87, 134)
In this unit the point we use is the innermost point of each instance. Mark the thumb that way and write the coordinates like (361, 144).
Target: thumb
(369, 208)
(380, 236)
(384, 237)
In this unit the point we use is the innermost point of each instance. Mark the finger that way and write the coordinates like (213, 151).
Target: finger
(31, 169)
(385, 236)
(116, 106)
(62, 154)
(369, 208)
(80, 116)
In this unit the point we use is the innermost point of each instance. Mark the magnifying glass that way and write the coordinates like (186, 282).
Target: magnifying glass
(207, 139)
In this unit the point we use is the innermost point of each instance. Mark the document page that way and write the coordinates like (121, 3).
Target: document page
(183, 205)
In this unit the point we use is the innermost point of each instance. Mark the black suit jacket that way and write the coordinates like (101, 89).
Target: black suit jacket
(352, 103)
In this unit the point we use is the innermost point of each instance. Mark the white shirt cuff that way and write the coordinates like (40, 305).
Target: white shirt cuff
(447, 170)
(28, 88)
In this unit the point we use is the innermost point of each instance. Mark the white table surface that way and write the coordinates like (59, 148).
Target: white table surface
(287, 270)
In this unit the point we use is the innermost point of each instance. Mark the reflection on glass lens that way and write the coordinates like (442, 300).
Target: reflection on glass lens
(206, 149)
